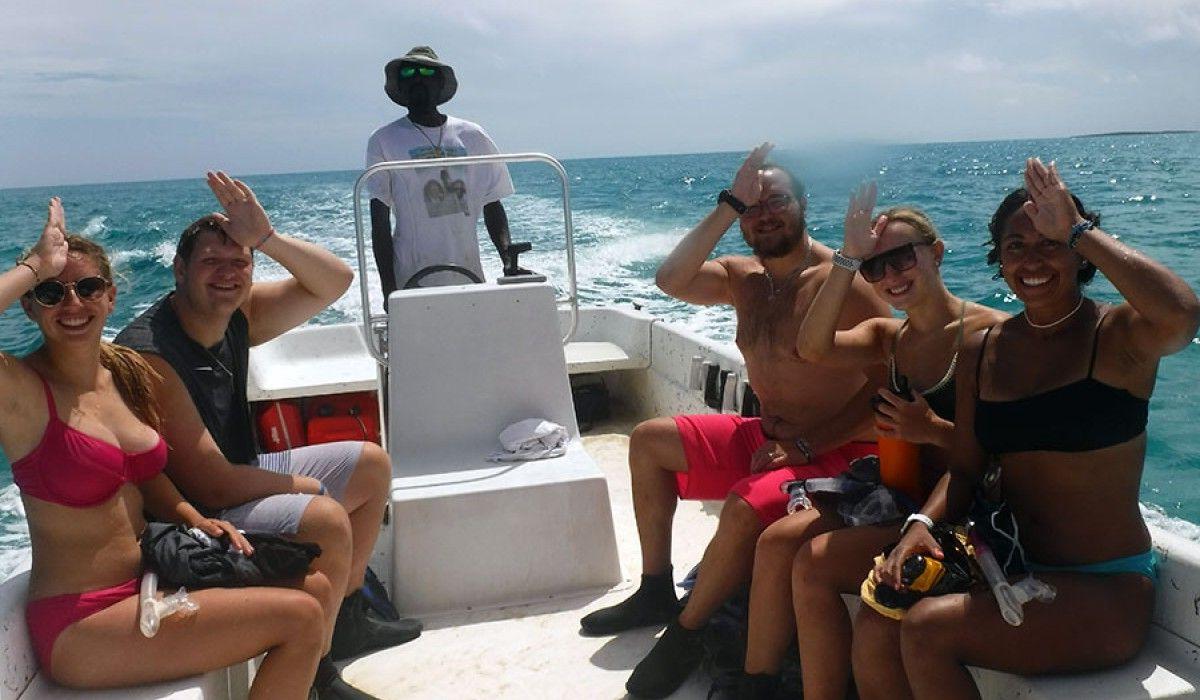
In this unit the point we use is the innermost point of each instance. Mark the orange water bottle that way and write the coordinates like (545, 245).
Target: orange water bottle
(900, 460)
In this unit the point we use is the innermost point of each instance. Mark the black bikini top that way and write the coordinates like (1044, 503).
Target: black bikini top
(940, 396)
(1078, 417)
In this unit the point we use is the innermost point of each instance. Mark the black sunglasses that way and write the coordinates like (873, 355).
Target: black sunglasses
(775, 204)
(52, 292)
(899, 259)
(410, 71)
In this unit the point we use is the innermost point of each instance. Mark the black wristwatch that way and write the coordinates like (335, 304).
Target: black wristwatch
(727, 197)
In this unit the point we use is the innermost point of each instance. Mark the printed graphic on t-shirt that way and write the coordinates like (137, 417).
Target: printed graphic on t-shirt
(443, 195)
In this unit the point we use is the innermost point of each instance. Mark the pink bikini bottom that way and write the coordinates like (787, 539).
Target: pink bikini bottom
(48, 617)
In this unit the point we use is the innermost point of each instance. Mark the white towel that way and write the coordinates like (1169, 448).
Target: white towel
(532, 438)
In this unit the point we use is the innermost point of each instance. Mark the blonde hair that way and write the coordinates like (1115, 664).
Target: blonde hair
(132, 375)
(916, 218)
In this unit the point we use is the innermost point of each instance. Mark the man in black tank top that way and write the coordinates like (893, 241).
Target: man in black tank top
(215, 376)
(198, 337)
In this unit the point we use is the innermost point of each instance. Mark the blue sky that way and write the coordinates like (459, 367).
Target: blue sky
(104, 91)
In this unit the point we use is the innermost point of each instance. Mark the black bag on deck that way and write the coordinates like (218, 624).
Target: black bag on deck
(181, 557)
(725, 640)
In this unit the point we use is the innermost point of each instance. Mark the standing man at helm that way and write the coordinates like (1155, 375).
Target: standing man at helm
(436, 209)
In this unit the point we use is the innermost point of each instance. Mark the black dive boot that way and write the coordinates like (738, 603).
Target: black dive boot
(676, 654)
(654, 603)
(758, 686)
(328, 684)
(357, 630)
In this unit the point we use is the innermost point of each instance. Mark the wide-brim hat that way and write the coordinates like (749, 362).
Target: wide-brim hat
(421, 56)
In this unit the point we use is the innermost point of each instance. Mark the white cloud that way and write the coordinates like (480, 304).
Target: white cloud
(971, 64)
(636, 22)
(149, 89)
(1138, 21)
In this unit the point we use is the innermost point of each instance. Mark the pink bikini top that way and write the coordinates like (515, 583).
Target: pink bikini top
(71, 468)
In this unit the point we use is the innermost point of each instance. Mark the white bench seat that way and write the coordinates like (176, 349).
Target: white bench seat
(213, 685)
(23, 679)
(311, 361)
(1168, 667)
(598, 356)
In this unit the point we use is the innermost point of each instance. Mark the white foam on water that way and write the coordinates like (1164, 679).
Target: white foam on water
(542, 218)
(95, 226)
(1156, 516)
(14, 531)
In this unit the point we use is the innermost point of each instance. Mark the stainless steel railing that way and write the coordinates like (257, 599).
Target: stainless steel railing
(375, 344)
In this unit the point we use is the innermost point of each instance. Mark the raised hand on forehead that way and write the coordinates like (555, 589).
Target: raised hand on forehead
(747, 184)
(51, 246)
(861, 231)
(1050, 206)
(245, 220)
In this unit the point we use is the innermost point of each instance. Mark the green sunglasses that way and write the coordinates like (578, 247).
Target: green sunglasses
(410, 71)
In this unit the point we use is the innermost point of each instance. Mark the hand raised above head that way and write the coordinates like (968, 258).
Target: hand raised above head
(860, 233)
(247, 223)
(1050, 206)
(49, 254)
(747, 184)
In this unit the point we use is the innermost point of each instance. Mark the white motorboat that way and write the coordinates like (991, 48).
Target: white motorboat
(500, 560)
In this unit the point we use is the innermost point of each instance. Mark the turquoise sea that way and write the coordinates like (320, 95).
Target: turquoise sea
(630, 211)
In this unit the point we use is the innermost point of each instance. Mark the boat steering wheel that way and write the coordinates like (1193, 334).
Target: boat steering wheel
(434, 269)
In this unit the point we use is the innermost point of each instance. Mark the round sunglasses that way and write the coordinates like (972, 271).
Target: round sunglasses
(410, 71)
(52, 292)
(899, 259)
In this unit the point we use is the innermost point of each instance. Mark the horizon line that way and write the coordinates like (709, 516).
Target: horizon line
(636, 155)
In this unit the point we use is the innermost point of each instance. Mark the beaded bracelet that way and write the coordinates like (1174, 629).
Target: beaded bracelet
(1078, 230)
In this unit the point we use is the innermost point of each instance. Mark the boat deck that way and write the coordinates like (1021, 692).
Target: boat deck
(536, 650)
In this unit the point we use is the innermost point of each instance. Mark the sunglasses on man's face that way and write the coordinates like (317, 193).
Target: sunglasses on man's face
(52, 292)
(776, 204)
(410, 71)
(899, 259)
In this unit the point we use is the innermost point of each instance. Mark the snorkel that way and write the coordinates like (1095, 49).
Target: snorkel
(1010, 597)
(151, 610)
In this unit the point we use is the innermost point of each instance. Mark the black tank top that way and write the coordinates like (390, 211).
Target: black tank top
(215, 377)
(1084, 415)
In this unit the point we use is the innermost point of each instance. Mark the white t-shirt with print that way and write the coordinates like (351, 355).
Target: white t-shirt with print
(436, 210)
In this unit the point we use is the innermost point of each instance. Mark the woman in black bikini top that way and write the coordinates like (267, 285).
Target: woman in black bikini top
(1055, 399)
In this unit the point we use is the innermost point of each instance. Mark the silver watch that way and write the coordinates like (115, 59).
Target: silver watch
(851, 264)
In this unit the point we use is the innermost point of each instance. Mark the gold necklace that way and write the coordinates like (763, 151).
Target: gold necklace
(1043, 326)
(437, 148)
(776, 289)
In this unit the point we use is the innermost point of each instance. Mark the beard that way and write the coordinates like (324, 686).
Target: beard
(780, 242)
(777, 247)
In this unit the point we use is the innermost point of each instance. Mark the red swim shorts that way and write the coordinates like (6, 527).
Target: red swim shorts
(718, 447)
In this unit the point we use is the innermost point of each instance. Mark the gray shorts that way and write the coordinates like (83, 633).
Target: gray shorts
(332, 463)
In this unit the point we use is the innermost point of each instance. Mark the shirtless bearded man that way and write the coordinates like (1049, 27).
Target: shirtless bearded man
(814, 421)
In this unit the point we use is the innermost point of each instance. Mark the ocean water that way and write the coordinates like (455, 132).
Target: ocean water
(629, 212)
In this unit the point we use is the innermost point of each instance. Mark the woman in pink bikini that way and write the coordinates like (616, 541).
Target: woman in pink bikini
(88, 461)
